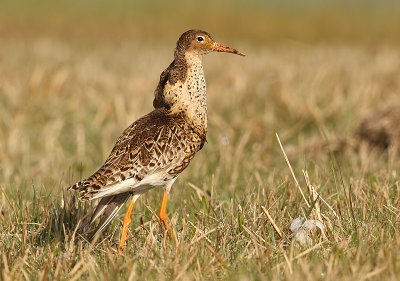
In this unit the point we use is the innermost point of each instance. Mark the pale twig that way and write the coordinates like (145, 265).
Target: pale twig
(272, 221)
(308, 250)
(289, 264)
(256, 237)
(216, 255)
(314, 197)
(291, 170)
(202, 236)
(319, 195)
(301, 254)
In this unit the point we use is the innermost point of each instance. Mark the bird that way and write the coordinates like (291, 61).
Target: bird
(156, 148)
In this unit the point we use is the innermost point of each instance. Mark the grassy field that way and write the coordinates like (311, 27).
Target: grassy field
(66, 96)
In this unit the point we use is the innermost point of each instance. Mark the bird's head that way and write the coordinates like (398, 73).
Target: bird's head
(200, 43)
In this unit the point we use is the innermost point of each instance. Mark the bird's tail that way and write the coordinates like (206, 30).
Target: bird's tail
(108, 207)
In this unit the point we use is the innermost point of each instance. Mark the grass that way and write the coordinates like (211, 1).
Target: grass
(63, 104)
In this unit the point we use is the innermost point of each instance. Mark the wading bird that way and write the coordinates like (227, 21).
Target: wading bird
(156, 148)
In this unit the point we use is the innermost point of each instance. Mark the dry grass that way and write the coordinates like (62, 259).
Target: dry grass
(63, 104)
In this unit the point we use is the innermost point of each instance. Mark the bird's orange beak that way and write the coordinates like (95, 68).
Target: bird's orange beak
(217, 47)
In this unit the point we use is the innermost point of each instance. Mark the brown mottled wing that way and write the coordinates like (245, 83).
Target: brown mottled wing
(155, 142)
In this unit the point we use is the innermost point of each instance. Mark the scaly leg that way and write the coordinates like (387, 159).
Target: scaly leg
(127, 221)
(163, 210)
(163, 213)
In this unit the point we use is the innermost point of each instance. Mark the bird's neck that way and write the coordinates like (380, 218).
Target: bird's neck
(187, 95)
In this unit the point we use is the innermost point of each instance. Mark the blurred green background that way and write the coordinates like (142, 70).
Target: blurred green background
(255, 21)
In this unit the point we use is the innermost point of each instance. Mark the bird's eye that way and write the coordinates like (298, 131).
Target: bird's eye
(200, 38)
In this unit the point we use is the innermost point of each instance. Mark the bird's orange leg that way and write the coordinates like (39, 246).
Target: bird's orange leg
(127, 221)
(163, 213)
